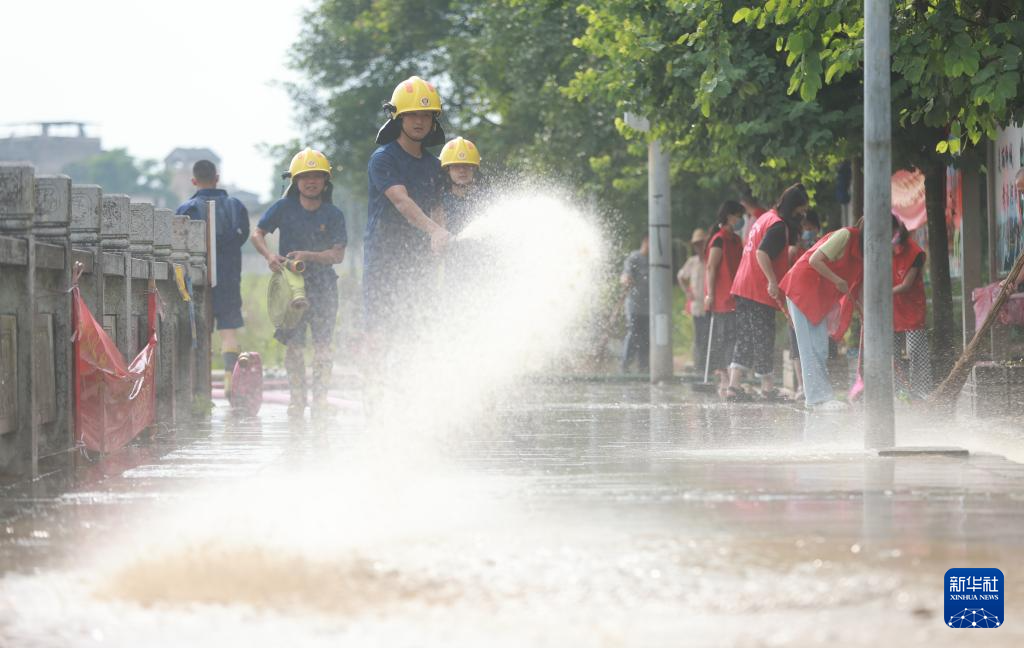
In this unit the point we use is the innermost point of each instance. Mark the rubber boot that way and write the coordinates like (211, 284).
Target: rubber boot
(230, 359)
(295, 365)
(323, 362)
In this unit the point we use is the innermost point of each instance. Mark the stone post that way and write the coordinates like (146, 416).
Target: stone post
(204, 323)
(162, 219)
(183, 358)
(17, 198)
(159, 270)
(17, 210)
(140, 243)
(117, 261)
(140, 229)
(86, 209)
(52, 329)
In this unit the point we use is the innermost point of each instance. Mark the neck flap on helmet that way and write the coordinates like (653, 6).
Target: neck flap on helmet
(392, 128)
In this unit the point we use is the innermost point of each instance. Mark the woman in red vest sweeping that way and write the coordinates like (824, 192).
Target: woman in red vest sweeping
(756, 289)
(909, 310)
(722, 254)
(814, 287)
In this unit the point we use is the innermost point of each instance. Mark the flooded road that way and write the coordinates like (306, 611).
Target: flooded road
(582, 514)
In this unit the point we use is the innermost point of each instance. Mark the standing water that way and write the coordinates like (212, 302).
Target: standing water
(477, 505)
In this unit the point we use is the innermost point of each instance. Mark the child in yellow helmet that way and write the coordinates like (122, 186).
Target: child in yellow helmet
(460, 163)
(312, 230)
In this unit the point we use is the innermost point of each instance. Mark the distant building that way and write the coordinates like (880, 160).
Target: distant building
(51, 148)
(179, 164)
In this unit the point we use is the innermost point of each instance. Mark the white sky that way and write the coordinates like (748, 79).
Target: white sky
(152, 75)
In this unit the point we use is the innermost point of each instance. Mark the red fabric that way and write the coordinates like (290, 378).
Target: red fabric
(909, 309)
(113, 402)
(812, 293)
(908, 198)
(732, 250)
(750, 281)
(1012, 312)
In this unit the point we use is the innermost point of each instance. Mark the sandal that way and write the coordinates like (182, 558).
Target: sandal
(736, 395)
(773, 396)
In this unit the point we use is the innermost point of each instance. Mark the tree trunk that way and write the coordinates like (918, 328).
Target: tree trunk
(856, 189)
(943, 326)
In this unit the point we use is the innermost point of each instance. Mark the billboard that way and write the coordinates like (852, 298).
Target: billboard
(1009, 222)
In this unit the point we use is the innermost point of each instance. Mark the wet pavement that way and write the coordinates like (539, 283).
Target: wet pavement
(583, 514)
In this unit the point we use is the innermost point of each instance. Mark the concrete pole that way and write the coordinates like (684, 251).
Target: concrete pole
(879, 431)
(659, 218)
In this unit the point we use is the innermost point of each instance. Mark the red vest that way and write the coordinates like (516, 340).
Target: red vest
(750, 281)
(732, 250)
(812, 293)
(909, 308)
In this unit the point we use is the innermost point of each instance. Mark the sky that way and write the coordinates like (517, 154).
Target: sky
(151, 76)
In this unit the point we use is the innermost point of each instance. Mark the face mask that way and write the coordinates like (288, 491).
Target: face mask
(808, 237)
(738, 227)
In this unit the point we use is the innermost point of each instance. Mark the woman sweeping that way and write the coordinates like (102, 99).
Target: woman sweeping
(909, 310)
(756, 289)
(814, 286)
(723, 254)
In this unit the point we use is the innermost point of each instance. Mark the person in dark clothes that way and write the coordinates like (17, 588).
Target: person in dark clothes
(232, 231)
(766, 258)
(636, 279)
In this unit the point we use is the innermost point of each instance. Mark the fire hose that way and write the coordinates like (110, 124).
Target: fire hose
(286, 296)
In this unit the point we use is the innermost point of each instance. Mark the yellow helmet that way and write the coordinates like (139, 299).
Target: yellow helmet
(308, 160)
(303, 162)
(414, 94)
(460, 151)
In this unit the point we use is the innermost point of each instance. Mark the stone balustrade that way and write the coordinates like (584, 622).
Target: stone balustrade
(47, 225)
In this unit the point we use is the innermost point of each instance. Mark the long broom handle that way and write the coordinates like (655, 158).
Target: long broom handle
(954, 382)
(707, 356)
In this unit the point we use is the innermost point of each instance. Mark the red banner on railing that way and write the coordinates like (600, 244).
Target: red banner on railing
(113, 402)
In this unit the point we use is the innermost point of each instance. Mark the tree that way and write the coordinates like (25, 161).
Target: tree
(500, 66)
(118, 172)
(711, 88)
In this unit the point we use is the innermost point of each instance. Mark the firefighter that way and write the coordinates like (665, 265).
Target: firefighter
(312, 230)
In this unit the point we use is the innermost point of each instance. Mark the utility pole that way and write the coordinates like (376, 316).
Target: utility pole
(879, 420)
(659, 223)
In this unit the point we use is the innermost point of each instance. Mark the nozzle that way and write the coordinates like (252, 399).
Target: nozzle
(295, 266)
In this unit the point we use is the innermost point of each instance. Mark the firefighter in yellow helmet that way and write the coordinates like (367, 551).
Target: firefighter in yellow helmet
(403, 231)
(312, 230)
(460, 161)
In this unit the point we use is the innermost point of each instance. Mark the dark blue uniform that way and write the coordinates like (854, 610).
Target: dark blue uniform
(232, 233)
(396, 255)
(314, 231)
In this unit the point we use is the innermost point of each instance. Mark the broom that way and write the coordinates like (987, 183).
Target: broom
(946, 393)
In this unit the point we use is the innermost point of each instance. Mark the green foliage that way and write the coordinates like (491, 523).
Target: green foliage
(118, 172)
(500, 67)
(711, 87)
(957, 64)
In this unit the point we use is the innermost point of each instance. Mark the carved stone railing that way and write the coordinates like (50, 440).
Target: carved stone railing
(46, 225)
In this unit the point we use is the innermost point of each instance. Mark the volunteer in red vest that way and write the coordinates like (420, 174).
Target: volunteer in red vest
(814, 286)
(753, 211)
(910, 309)
(756, 289)
(722, 254)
